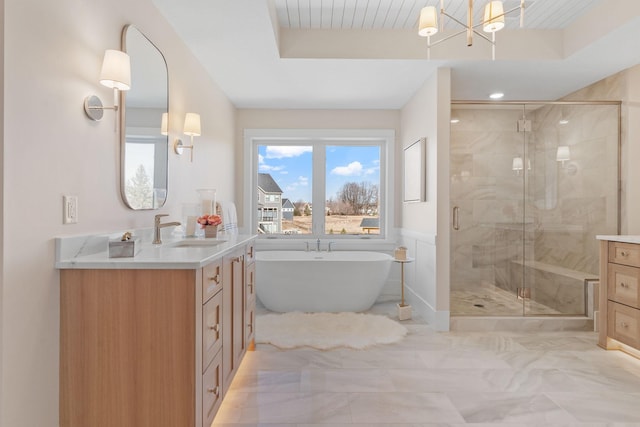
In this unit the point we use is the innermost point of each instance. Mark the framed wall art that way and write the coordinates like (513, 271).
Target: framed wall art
(414, 180)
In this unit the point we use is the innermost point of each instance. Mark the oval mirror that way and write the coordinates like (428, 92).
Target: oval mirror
(143, 129)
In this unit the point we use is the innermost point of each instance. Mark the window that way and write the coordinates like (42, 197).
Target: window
(322, 185)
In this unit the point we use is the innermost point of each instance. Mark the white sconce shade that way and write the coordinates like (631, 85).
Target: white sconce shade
(517, 164)
(428, 21)
(164, 126)
(563, 154)
(116, 70)
(192, 124)
(191, 128)
(493, 17)
(115, 74)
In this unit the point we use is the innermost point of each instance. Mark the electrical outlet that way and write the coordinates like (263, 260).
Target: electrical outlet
(70, 209)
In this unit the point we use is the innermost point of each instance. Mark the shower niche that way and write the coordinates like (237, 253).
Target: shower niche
(531, 186)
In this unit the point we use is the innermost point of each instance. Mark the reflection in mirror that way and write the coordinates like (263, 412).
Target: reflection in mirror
(144, 149)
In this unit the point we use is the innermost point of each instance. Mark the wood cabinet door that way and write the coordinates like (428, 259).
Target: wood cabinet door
(232, 314)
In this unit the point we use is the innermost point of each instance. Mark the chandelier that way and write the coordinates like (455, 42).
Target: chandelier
(493, 22)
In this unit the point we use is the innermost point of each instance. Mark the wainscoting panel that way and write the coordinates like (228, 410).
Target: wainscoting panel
(421, 289)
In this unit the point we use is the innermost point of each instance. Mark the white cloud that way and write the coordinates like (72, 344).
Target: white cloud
(371, 171)
(268, 168)
(302, 181)
(352, 169)
(264, 167)
(286, 151)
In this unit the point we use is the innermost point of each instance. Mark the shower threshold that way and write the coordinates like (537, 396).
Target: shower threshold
(492, 308)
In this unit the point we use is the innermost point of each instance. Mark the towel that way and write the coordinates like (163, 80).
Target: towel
(227, 210)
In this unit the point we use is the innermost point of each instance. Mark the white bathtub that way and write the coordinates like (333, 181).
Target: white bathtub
(320, 281)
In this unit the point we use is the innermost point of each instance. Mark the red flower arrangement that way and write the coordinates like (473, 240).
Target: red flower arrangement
(205, 220)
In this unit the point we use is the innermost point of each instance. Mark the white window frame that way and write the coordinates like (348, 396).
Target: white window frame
(384, 137)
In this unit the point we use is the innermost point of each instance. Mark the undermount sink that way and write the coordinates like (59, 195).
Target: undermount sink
(200, 243)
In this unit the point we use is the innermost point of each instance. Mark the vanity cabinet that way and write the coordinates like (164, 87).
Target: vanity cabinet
(151, 347)
(620, 296)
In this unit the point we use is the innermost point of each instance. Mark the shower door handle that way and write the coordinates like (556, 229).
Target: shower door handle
(456, 218)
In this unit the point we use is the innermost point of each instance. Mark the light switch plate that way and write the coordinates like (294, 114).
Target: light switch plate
(69, 209)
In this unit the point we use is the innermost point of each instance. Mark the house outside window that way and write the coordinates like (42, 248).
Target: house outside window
(269, 205)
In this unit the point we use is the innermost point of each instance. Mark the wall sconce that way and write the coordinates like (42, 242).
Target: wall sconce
(517, 165)
(191, 128)
(115, 74)
(563, 154)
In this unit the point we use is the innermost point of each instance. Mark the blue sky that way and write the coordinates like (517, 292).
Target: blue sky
(290, 167)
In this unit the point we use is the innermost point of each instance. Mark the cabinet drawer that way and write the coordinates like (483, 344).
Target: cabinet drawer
(623, 284)
(624, 253)
(211, 329)
(211, 279)
(624, 324)
(212, 390)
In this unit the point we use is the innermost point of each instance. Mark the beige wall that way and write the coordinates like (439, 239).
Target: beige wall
(53, 52)
(308, 119)
(427, 115)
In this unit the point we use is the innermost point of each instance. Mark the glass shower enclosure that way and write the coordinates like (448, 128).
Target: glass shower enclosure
(532, 184)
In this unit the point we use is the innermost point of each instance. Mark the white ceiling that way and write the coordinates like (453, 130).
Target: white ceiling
(329, 54)
(403, 14)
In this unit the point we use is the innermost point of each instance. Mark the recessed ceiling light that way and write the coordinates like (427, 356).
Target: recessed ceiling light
(454, 120)
(563, 122)
(496, 95)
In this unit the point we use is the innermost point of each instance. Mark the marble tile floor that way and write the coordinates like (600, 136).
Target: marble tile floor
(490, 300)
(506, 379)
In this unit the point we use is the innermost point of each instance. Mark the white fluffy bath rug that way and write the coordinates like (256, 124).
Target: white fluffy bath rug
(325, 331)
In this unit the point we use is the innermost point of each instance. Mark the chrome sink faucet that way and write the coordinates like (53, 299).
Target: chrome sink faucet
(157, 226)
(318, 245)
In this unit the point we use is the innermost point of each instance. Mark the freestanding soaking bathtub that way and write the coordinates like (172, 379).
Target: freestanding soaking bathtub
(320, 281)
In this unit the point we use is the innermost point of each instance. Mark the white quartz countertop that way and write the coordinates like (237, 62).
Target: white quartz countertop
(623, 239)
(94, 254)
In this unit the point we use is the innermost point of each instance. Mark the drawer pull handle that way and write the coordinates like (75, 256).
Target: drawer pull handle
(236, 259)
(215, 391)
(251, 251)
(623, 253)
(624, 324)
(215, 278)
(215, 328)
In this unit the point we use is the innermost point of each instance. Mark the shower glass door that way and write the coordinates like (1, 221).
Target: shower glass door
(489, 166)
(531, 187)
